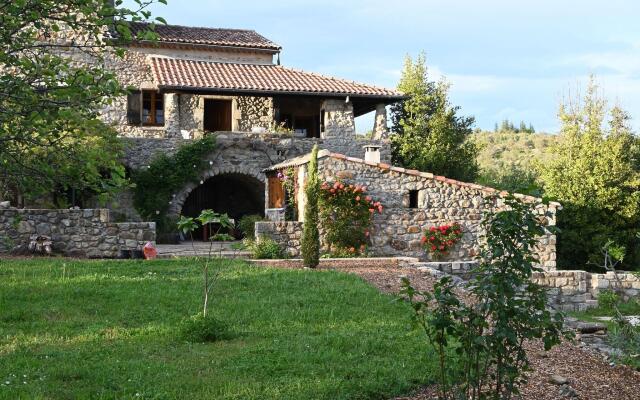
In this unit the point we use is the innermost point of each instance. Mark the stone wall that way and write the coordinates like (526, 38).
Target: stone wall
(287, 234)
(253, 112)
(398, 230)
(76, 233)
(579, 290)
(278, 147)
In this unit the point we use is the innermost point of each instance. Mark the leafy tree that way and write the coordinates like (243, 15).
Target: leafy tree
(596, 176)
(52, 84)
(429, 135)
(310, 245)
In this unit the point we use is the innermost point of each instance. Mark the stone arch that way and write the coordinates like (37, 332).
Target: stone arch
(181, 197)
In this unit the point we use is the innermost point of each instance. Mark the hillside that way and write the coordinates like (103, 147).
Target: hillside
(506, 159)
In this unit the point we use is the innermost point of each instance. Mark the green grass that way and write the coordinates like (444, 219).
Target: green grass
(109, 329)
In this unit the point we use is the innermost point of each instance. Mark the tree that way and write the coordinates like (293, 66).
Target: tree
(596, 176)
(52, 85)
(310, 234)
(428, 133)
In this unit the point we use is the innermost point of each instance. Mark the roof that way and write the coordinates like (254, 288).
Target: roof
(172, 73)
(207, 36)
(301, 160)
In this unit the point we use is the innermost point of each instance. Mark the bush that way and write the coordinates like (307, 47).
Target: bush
(201, 329)
(264, 249)
(346, 213)
(247, 225)
(608, 299)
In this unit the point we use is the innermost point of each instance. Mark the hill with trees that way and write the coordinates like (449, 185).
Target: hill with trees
(506, 157)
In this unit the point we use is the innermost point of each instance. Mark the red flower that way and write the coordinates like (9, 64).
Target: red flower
(441, 247)
(433, 248)
(432, 238)
(424, 239)
(432, 229)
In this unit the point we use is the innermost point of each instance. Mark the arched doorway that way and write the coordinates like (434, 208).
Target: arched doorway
(235, 194)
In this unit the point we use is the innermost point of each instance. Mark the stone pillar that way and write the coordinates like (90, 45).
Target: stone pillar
(380, 130)
(338, 119)
(172, 114)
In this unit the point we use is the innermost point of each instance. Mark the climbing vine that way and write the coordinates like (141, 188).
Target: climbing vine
(156, 183)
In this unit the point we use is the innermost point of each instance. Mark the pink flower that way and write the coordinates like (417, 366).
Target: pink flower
(357, 198)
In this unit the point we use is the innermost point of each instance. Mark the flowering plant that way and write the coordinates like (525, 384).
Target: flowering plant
(438, 240)
(346, 213)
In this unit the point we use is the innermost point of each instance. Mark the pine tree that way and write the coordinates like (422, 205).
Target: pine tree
(310, 245)
(428, 134)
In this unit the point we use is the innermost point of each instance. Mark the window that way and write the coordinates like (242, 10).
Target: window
(145, 108)
(413, 199)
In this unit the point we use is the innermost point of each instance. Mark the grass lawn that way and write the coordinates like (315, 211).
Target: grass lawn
(108, 329)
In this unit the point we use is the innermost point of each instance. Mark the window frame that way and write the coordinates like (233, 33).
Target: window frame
(150, 121)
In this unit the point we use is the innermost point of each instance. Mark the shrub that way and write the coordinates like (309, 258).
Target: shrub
(346, 213)
(310, 245)
(438, 240)
(608, 299)
(247, 225)
(201, 329)
(265, 249)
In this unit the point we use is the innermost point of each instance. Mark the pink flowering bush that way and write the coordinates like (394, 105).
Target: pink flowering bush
(346, 213)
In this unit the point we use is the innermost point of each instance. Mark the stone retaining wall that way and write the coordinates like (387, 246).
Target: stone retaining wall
(75, 233)
(578, 290)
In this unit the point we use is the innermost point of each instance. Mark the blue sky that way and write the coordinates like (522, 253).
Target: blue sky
(504, 59)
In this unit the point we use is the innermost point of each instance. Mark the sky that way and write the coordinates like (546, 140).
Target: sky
(504, 59)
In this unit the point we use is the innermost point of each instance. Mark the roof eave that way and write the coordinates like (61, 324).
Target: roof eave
(206, 90)
(204, 46)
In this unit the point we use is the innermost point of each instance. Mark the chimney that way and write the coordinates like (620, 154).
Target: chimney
(372, 153)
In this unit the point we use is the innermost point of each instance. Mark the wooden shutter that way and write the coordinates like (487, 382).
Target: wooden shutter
(276, 193)
(133, 108)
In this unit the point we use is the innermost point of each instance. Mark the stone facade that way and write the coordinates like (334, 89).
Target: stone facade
(76, 233)
(399, 229)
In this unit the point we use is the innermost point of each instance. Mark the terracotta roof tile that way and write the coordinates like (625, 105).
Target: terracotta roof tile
(214, 76)
(207, 36)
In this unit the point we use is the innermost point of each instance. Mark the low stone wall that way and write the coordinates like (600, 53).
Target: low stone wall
(579, 290)
(75, 233)
(286, 233)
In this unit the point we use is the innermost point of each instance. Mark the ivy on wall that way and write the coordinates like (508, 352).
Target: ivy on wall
(156, 184)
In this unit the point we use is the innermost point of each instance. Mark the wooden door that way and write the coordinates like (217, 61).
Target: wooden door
(276, 193)
(217, 115)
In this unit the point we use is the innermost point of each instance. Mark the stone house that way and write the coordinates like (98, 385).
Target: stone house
(194, 81)
(413, 202)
